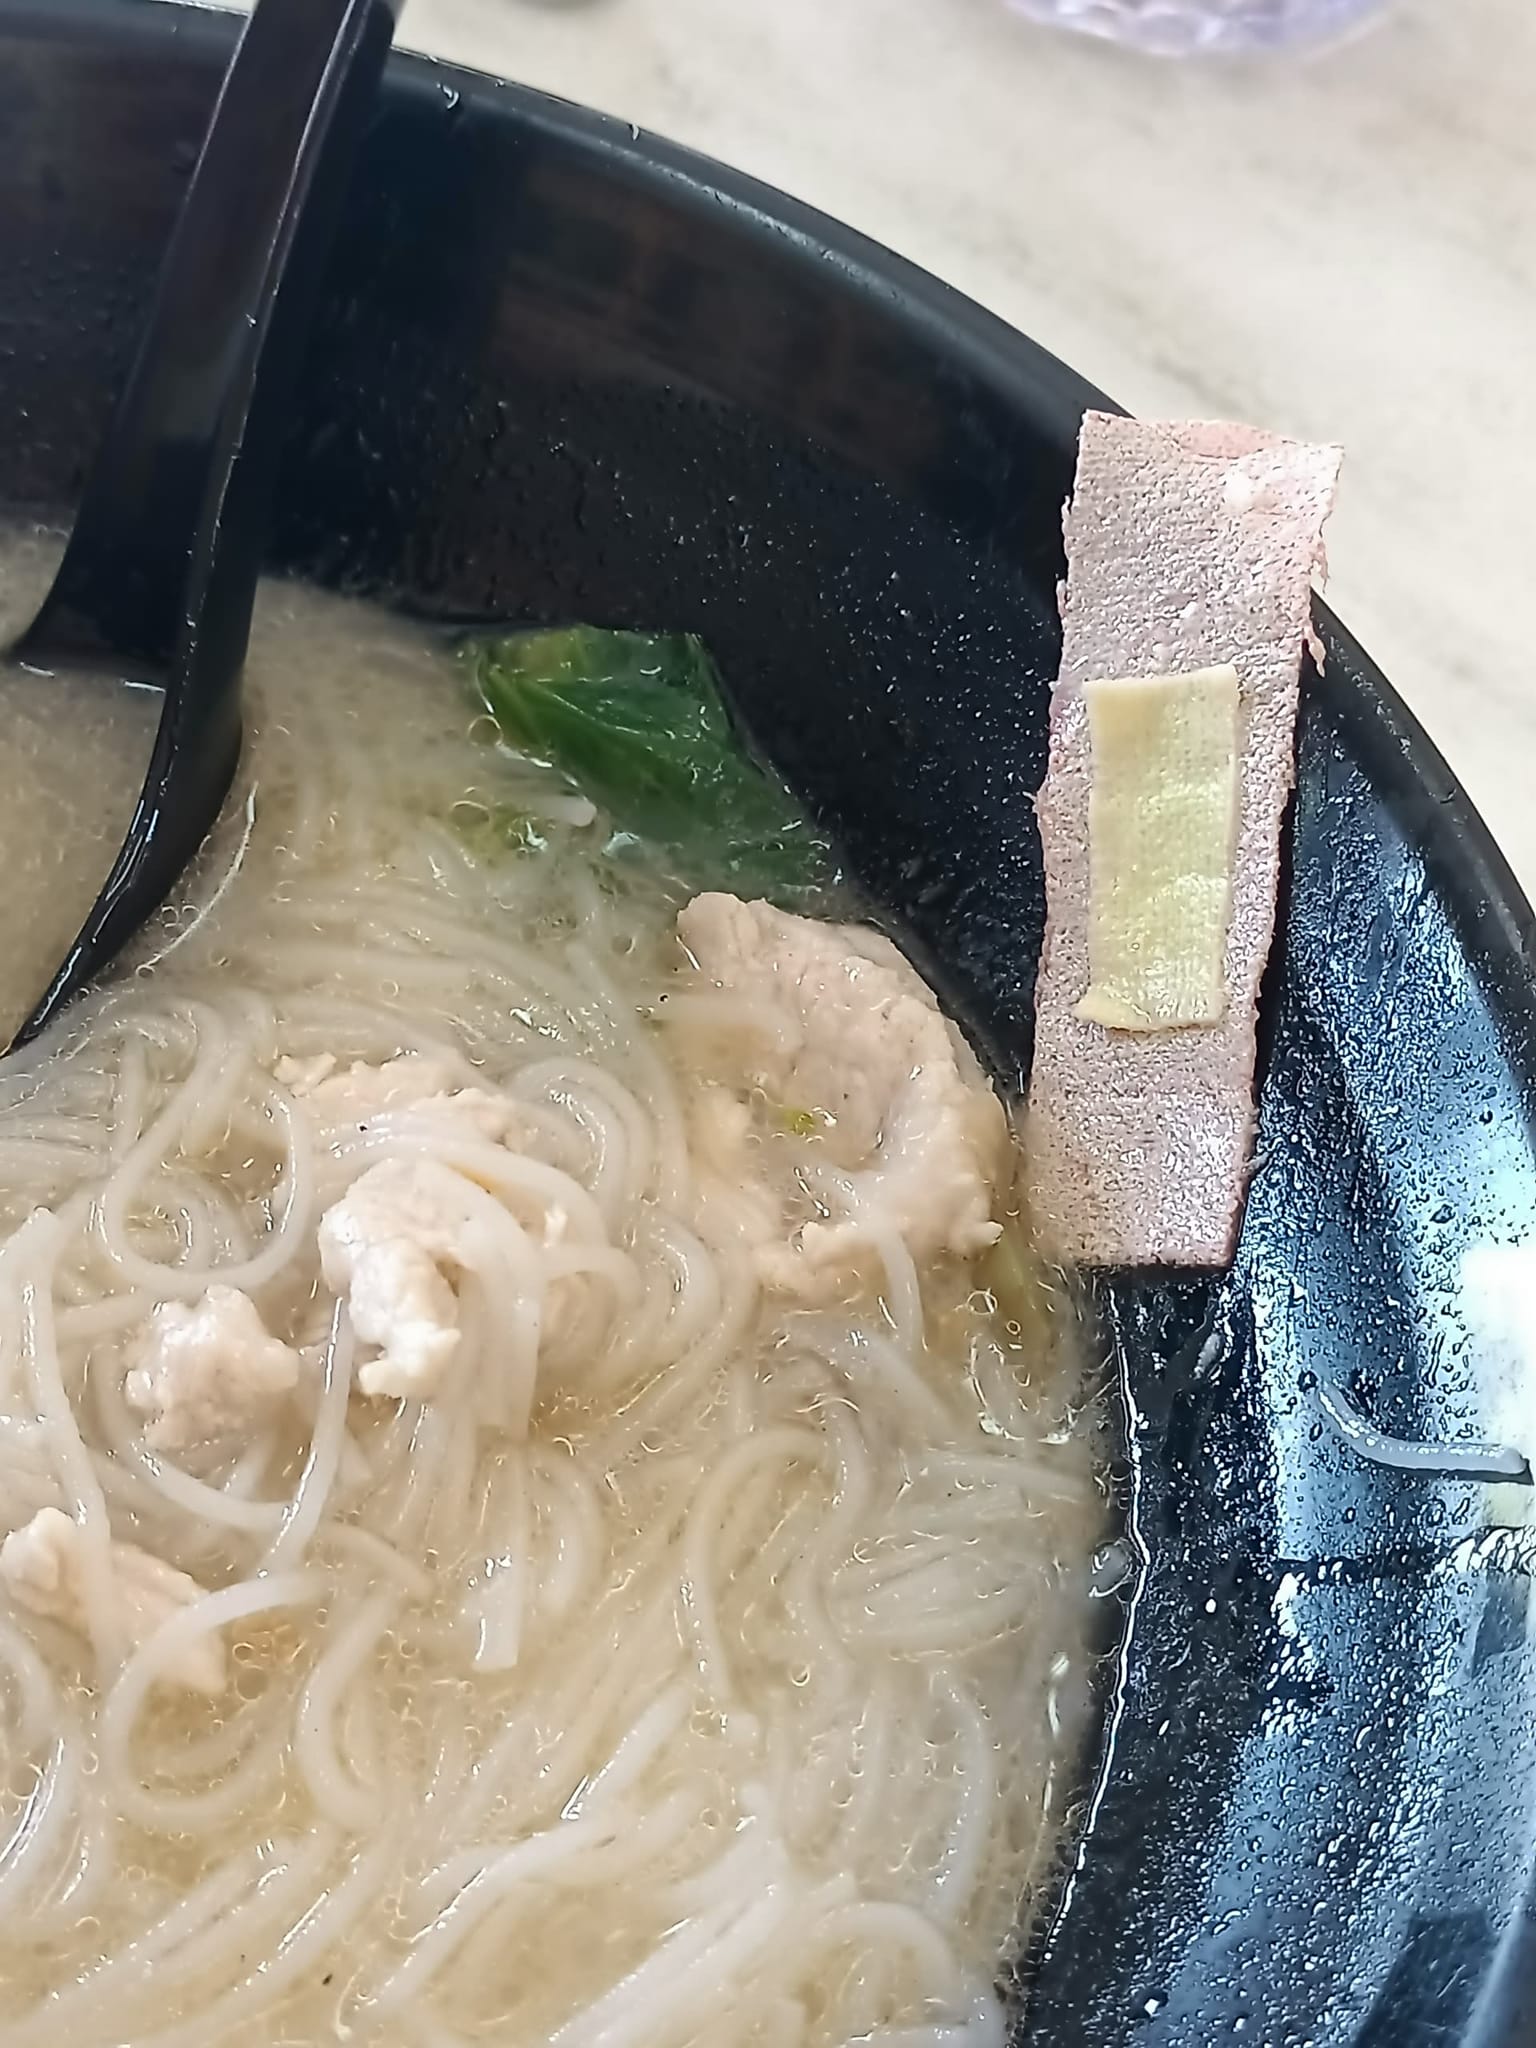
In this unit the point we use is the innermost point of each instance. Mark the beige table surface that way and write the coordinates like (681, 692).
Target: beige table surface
(1342, 247)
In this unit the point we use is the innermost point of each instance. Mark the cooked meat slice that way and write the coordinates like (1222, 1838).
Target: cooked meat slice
(827, 1025)
(206, 1370)
(42, 1567)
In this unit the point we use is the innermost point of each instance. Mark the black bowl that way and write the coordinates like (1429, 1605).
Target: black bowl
(568, 371)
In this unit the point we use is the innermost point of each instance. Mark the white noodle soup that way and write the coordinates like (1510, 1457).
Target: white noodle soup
(563, 1631)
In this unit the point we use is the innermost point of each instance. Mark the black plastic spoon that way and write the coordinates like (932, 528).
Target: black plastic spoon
(157, 583)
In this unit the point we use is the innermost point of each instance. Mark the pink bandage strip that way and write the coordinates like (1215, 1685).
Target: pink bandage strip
(1189, 544)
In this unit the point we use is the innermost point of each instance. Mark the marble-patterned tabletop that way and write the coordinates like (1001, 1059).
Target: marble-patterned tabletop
(1341, 246)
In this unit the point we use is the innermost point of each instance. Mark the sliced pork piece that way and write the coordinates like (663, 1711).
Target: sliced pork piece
(203, 1371)
(793, 1020)
(390, 1245)
(1190, 545)
(42, 1569)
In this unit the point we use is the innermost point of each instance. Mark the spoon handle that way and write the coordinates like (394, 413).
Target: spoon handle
(158, 580)
(177, 460)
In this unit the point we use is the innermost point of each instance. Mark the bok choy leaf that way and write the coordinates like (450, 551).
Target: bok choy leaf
(638, 722)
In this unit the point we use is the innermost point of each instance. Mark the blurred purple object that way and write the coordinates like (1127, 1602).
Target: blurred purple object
(1176, 28)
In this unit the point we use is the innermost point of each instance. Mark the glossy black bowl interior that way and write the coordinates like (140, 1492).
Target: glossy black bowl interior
(565, 371)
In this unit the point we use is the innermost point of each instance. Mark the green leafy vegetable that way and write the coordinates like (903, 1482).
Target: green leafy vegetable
(638, 721)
